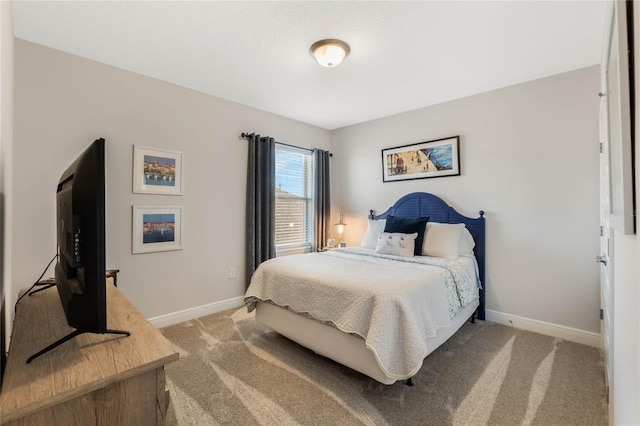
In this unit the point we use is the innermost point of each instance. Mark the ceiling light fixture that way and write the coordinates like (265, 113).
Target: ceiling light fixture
(330, 52)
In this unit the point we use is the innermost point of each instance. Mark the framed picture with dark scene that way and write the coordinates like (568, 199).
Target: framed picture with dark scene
(437, 158)
(157, 171)
(156, 228)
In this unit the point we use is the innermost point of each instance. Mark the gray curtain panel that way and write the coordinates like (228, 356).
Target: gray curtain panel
(261, 176)
(321, 198)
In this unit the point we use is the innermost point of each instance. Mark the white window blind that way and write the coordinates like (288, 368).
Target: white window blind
(294, 201)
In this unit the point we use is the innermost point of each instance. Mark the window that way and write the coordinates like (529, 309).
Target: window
(294, 201)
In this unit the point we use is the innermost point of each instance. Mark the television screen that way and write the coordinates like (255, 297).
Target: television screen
(80, 218)
(80, 222)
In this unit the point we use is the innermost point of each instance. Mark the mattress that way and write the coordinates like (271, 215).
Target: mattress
(396, 304)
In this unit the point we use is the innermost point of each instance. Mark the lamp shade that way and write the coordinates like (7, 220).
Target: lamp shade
(330, 52)
(341, 225)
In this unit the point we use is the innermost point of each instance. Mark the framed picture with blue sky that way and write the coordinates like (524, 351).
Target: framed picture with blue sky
(436, 158)
(157, 171)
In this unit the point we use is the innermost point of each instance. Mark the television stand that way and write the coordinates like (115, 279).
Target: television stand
(93, 379)
(69, 337)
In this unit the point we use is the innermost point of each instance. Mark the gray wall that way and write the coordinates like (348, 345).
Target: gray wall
(529, 159)
(63, 102)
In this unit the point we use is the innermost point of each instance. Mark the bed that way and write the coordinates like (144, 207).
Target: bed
(376, 311)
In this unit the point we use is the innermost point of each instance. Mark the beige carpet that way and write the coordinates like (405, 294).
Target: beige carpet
(234, 371)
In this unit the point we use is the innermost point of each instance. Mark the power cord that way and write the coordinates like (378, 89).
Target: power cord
(38, 283)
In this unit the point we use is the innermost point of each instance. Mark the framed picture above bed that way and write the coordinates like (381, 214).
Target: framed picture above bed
(156, 228)
(157, 171)
(436, 158)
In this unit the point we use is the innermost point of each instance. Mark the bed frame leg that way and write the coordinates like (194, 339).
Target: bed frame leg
(473, 316)
(410, 381)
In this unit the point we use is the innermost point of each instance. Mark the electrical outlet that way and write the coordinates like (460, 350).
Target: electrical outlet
(232, 273)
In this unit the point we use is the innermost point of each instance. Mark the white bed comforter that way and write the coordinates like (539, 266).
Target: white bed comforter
(394, 303)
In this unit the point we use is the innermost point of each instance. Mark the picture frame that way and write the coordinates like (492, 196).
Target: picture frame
(156, 229)
(619, 203)
(157, 171)
(422, 160)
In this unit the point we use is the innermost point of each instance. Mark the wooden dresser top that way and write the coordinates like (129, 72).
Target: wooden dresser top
(80, 365)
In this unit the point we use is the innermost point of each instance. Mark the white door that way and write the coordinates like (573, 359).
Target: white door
(616, 189)
(606, 244)
(615, 134)
(607, 102)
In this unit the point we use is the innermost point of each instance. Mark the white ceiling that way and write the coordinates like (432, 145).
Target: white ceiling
(404, 55)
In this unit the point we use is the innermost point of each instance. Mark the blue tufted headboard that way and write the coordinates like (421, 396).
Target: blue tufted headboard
(421, 204)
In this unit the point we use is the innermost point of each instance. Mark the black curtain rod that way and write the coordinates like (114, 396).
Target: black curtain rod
(246, 135)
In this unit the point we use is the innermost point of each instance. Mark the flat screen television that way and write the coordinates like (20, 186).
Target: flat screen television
(80, 222)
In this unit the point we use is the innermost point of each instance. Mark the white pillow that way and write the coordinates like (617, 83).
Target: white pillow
(396, 243)
(467, 243)
(374, 228)
(442, 239)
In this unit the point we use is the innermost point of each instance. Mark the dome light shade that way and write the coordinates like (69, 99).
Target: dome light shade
(330, 52)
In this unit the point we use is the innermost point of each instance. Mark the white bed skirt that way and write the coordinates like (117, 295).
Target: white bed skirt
(347, 349)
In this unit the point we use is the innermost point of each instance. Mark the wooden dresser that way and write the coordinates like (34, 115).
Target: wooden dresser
(103, 379)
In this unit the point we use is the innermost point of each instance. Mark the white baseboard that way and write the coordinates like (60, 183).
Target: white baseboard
(548, 329)
(198, 311)
(554, 330)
